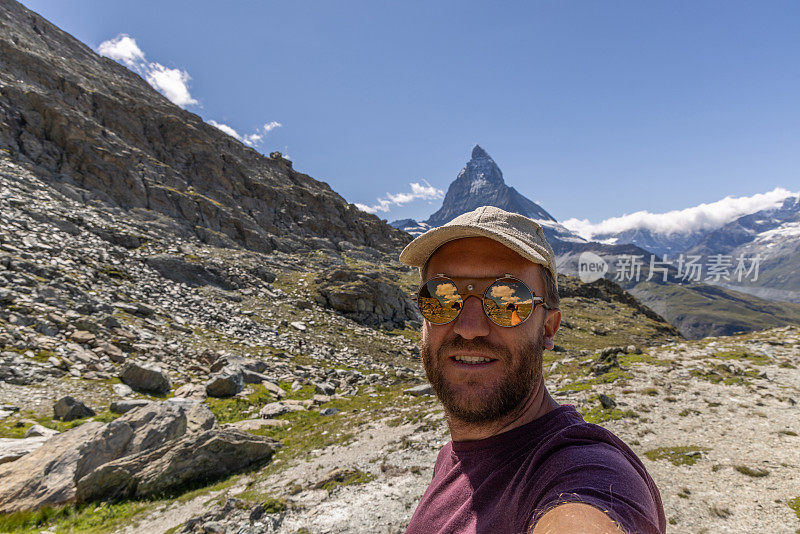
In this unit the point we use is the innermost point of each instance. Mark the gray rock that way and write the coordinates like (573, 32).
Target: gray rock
(606, 401)
(607, 361)
(418, 391)
(368, 297)
(40, 431)
(122, 390)
(46, 476)
(329, 411)
(68, 409)
(196, 457)
(191, 273)
(274, 409)
(13, 449)
(324, 388)
(124, 406)
(198, 416)
(191, 391)
(227, 382)
(274, 389)
(146, 378)
(253, 377)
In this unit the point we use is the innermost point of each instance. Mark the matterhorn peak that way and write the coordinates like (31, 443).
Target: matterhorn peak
(478, 152)
(481, 183)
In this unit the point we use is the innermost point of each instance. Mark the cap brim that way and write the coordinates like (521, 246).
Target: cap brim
(417, 252)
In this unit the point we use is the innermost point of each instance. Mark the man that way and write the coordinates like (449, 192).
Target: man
(518, 461)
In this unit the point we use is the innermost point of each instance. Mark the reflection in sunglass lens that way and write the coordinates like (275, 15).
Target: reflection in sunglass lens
(508, 303)
(439, 301)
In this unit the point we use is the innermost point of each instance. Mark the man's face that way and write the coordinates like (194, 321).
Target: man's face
(484, 392)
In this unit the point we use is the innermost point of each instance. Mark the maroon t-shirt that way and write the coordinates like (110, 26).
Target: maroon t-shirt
(505, 483)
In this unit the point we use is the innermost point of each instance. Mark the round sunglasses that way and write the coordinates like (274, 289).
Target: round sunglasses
(507, 301)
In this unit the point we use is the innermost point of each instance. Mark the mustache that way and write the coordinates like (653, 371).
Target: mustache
(477, 344)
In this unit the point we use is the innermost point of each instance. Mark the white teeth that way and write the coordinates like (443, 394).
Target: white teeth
(472, 359)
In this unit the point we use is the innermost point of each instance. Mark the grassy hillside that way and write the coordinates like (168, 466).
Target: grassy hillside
(702, 310)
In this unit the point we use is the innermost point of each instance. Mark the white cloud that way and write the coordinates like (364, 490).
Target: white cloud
(703, 217)
(225, 128)
(251, 139)
(122, 48)
(172, 83)
(271, 126)
(418, 192)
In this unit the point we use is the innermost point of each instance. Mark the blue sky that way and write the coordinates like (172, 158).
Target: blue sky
(592, 109)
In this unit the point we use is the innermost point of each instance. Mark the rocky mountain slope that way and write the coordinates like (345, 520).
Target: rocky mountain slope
(99, 132)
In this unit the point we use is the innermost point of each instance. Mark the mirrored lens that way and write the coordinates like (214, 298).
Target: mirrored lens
(508, 302)
(439, 301)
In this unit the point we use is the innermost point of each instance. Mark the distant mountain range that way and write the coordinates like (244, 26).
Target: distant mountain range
(771, 235)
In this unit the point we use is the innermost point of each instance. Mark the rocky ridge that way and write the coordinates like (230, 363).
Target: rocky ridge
(99, 132)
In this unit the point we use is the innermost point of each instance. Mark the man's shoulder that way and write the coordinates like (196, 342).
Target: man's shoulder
(578, 448)
(586, 463)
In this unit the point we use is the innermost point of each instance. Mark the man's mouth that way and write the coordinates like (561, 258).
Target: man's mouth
(472, 360)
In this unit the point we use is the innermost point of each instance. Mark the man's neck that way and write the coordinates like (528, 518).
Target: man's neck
(536, 404)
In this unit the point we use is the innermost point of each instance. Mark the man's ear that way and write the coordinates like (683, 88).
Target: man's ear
(551, 323)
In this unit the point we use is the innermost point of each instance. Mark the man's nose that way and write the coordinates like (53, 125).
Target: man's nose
(472, 322)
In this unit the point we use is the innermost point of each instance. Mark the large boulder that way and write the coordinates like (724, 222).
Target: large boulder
(14, 449)
(197, 457)
(192, 272)
(47, 476)
(68, 409)
(146, 377)
(368, 298)
(226, 383)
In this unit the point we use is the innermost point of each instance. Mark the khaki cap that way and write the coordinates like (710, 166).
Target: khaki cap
(517, 232)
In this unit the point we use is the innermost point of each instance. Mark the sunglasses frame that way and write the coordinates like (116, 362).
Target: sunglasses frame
(468, 288)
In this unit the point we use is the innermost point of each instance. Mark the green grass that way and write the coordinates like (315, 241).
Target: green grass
(231, 409)
(683, 455)
(589, 383)
(11, 427)
(597, 414)
(756, 359)
(308, 430)
(61, 426)
(87, 518)
(349, 477)
(794, 504)
(750, 471)
(720, 373)
(704, 310)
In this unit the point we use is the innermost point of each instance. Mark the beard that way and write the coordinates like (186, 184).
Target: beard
(494, 401)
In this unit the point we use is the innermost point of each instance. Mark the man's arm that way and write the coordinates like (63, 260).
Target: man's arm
(575, 518)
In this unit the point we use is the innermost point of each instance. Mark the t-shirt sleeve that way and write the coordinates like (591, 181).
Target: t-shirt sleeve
(604, 477)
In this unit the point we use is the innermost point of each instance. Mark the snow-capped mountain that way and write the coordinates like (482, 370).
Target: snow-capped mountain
(481, 183)
(774, 236)
(770, 230)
